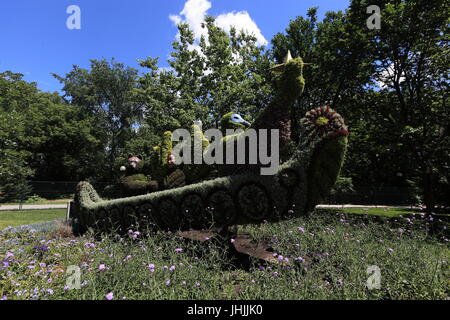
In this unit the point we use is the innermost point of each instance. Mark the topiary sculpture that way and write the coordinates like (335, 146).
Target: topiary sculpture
(298, 185)
(135, 182)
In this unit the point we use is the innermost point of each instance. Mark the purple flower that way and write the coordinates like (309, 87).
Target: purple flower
(136, 234)
(301, 229)
(109, 296)
(280, 258)
(232, 240)
(299, 259)
(197, 284)
(101, 267)
(172, 268)
(9, 255)
(178, 250)
(50, 291)
(275, 274)
(42, 265)
(168, 283)
(390, 250)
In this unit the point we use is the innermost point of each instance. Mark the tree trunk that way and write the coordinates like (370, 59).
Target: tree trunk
(428, 195)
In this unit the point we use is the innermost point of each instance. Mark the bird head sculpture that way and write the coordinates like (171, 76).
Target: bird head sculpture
(290, 81)
(234, 121)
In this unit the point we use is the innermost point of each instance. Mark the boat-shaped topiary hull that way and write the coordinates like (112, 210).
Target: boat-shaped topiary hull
(298, 186)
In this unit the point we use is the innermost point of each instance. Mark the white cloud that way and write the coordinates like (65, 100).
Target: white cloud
(242, 21)
(194, 13)
(175, 19)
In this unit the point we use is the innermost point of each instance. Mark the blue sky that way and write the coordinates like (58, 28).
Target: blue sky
(35, 41)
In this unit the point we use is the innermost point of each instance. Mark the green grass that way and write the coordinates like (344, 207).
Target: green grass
(16, 218)
(60, 201)
(387, 212)
(333, 252)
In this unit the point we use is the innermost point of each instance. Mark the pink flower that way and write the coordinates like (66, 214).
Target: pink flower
(101, 267)
(178, 250)
(109, 296)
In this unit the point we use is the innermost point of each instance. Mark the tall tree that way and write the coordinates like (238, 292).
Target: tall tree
(106, 92)
(207, 78)
(411, 50)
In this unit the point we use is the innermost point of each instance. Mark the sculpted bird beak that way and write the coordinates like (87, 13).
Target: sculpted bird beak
(246, 123)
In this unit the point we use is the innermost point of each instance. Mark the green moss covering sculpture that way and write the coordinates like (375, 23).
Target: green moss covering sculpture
(299, 184)
(134, 181)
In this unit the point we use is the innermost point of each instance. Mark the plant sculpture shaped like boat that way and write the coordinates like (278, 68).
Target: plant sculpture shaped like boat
(243, 196)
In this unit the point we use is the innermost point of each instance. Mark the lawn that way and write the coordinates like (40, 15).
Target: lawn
(327, 255)
(16, 218)
(387, 212)
(43, 201)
